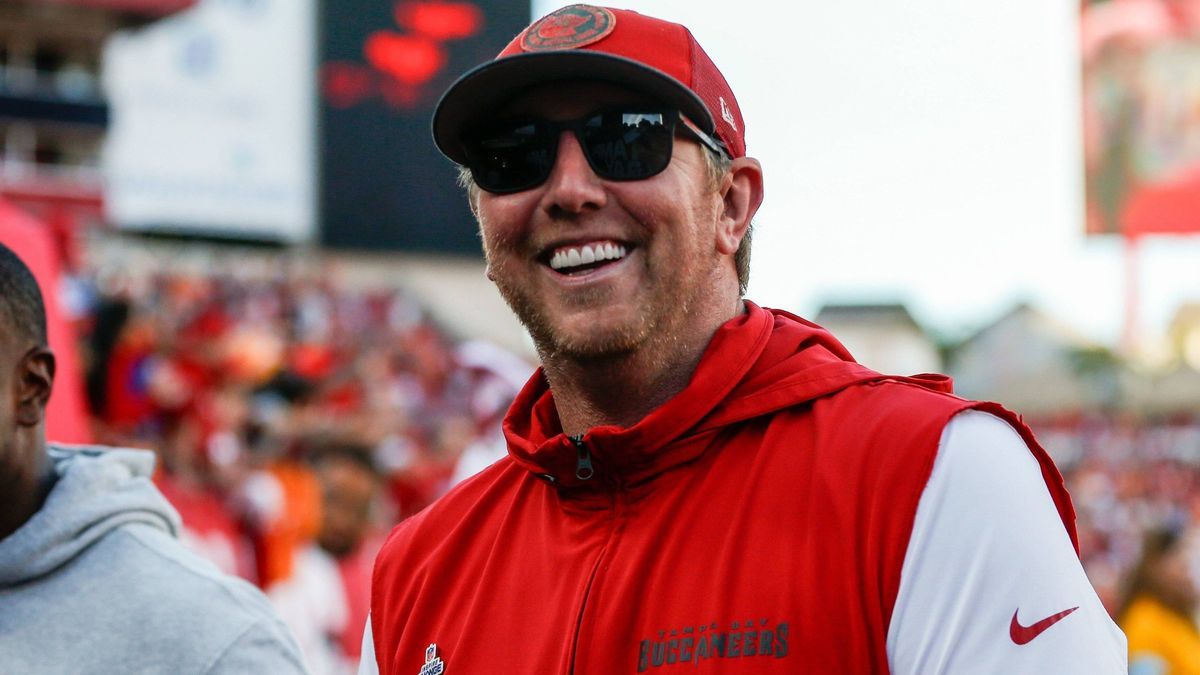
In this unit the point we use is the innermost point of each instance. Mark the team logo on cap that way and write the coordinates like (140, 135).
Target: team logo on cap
(727, 114)
(569, 28)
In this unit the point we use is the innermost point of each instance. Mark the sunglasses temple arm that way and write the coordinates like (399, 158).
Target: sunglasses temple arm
(712, 143)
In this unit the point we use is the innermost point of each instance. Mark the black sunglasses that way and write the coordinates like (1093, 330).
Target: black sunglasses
(620, 144)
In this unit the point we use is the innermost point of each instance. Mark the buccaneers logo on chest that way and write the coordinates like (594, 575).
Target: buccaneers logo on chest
(695, 644)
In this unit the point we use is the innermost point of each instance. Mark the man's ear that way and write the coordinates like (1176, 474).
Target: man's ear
(35, 381)
(741, 194)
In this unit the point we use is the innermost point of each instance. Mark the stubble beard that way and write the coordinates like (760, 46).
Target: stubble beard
(553, 343)
(651, 338)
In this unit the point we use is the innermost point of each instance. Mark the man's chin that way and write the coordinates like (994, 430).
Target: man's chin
(601, 332)
(594, 342)
(594, 350)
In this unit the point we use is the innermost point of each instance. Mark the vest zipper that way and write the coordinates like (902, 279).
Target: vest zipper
(597, 566)
(583, 465)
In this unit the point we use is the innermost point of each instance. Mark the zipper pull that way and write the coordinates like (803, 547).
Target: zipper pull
(583, 466)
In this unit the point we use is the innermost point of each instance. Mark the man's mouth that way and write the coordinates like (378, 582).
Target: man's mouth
(580, 258)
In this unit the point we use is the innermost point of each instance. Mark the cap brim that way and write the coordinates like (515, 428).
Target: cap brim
(487, 87)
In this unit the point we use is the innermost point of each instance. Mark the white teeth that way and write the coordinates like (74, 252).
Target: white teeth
(584, 255)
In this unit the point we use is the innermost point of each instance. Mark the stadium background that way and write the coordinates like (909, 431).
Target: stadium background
(259, 267)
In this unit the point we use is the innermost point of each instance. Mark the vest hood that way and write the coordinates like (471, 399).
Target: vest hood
(757, 363)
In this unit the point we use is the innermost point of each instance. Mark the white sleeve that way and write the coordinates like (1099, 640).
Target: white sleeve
(366, 661)
(990, 582)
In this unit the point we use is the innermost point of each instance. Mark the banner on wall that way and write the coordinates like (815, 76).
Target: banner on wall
(213, 122)
(1141, 77)
(384, 64)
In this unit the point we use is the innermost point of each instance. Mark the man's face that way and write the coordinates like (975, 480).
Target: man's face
(665, 225)
(348, 490)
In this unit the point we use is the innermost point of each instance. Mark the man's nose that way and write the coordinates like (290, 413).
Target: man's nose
(572, 186)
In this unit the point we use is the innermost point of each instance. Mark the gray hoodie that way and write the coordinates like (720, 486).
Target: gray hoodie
(98, 582)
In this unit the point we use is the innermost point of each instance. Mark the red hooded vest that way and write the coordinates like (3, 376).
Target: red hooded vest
(756, 522)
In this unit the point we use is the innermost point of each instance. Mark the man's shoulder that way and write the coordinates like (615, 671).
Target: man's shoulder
(891, 427)
(901, 401)
(157, 576)
(163, 605)
(173, 582)
(175, 574)
(927, 388)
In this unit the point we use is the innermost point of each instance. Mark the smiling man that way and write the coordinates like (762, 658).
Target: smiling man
(696, 483)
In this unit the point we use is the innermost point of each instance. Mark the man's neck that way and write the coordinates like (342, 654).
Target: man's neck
(622, 389)
(24, 493)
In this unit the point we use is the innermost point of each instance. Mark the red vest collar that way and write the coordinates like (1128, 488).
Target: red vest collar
(757, 363)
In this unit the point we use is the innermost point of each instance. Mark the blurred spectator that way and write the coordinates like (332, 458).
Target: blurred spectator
(350, 534)
(1158, 611)
(499, 376)
(326, 595)
(288, 521)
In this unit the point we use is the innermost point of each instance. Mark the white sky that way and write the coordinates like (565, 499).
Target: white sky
(925, 151)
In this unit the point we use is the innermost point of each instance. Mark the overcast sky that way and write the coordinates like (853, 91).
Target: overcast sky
(925, 151)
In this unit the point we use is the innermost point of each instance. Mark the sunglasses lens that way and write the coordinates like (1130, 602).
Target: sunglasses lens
(620, 145)
(513, 158)
(628, 145)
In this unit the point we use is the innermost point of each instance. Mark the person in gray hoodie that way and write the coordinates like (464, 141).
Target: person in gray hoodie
(93, 577)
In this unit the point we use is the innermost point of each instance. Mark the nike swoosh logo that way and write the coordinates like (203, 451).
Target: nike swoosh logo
(1023, 634)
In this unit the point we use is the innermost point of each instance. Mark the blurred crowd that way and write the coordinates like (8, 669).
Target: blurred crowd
(297, 420)
(1128, 477)
(1136, 487)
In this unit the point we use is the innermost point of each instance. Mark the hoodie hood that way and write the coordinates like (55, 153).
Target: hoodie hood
(96, 490)
(758, 363)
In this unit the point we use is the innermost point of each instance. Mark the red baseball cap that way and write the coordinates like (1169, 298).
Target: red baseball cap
(585, 42)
